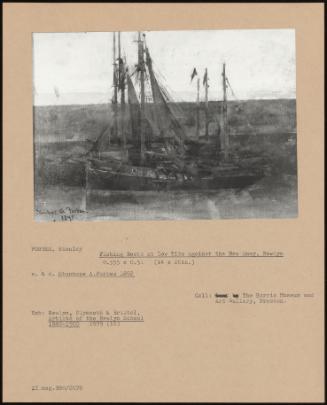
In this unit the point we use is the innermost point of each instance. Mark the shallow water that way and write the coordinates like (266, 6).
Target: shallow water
(274, 197)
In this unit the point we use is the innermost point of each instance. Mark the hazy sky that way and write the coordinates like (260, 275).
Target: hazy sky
(259, 63)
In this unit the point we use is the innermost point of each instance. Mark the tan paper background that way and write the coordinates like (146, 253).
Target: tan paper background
(187, 350)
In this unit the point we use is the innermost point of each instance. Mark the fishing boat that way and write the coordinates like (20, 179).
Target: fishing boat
(146, 147)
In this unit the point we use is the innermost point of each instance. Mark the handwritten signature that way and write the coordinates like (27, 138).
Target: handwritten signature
(63, 214)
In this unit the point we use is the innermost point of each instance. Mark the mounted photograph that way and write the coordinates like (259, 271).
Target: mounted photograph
(165, 125)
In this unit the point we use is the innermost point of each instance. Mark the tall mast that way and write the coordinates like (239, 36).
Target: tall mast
(122, 73)
(206, 104)
(114, 67)
(122, 95)
(141, 68)
(198, 109)
(115, 97)
(224, 115)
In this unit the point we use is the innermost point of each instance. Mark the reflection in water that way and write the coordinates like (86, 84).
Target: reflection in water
(273, 197)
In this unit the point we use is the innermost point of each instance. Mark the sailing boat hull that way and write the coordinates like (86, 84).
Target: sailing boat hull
(101, 179)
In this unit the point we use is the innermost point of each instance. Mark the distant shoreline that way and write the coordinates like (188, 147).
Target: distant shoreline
(171, 102)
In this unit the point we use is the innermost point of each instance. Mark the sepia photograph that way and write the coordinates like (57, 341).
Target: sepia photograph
(165, 125)
(163, 202)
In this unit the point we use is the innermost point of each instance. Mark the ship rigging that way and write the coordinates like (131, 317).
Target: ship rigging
(145, 146)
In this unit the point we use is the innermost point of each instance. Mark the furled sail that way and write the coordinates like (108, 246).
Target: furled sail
(135, 115)
(166, 121)
(102, 141)
(134, 108)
